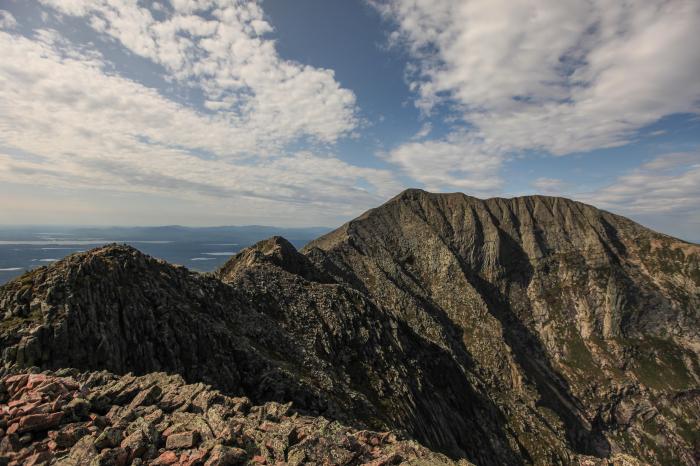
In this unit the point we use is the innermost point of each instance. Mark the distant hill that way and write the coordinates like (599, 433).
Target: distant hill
(247, 233)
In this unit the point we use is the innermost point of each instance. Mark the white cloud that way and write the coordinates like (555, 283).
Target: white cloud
(7, 21)
(456, 161)
(668, 183)
(55, 96)
(423, 132)
(560, 76)
(67, 122)
(549, 185)
(220, 48)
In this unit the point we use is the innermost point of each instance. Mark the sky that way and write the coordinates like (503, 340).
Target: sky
(308, 112)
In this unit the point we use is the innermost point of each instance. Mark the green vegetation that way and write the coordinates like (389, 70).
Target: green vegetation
(660, 365)
(695, 274)
(688, 431)
(14, 322)
(670, 260)
(644, 246)
(578, 355)
(662, 453)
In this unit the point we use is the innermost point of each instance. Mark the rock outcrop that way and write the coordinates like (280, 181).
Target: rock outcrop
(531, 330)
(72, 418)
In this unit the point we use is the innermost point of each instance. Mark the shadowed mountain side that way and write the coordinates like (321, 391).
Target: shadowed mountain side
(269, 335)
(414, 384)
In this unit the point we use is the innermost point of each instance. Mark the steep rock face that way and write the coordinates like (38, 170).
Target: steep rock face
(585, 318)
(114, 308)
(406, 381)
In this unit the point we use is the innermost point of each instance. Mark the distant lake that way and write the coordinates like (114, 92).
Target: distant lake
(199, 249)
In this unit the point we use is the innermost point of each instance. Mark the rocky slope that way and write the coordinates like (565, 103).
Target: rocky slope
(505, 331)
(271, 335)
(408, 382)
(70, 418)
(581, 323)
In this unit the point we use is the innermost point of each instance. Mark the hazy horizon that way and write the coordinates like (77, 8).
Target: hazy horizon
(201, 249)
(691, 235)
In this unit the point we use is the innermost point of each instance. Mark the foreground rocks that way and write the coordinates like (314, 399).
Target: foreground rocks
(101, 419)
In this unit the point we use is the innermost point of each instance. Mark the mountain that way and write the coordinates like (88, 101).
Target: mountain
(533, 330)
(584, 318)
(269, 335)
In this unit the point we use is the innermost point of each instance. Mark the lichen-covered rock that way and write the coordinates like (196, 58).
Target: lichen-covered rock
(186, 439)
(269, 434)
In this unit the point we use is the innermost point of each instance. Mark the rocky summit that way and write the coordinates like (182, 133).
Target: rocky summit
(434, 329)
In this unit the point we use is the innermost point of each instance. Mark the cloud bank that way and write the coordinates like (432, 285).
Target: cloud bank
(668, 183)
(67, 118)
(547, 75)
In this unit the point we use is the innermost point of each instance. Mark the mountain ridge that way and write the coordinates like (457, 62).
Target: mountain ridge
(531, 330)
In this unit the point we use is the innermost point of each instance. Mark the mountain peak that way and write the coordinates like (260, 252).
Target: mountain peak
(456, 198)
(275, 251)
(457, 216)
(547, 287)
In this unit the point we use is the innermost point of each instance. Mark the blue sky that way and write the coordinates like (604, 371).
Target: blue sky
(206, 112)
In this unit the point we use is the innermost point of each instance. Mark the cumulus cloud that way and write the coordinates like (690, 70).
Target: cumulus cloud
(7, 21)
(57, 97)
(550, 75)
(219, 47)
(456, 161)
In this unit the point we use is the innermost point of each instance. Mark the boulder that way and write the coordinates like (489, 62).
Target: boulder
(182, 440)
